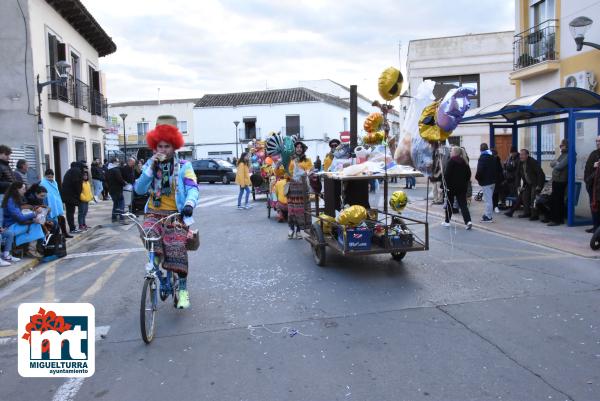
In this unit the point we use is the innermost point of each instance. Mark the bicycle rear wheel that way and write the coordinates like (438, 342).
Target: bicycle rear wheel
(148, 309)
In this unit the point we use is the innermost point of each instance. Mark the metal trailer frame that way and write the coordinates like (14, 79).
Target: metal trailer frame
(318, 241)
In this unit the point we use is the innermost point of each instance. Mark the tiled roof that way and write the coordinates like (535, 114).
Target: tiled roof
(276, 96)
(75, 13)
(154, 102)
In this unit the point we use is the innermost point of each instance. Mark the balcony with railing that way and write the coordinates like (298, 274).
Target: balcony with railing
(535, 50)
(77, 100)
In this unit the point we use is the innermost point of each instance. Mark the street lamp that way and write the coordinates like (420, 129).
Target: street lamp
(578, 27)
(236, 122)
(62, 71)
(123, 116)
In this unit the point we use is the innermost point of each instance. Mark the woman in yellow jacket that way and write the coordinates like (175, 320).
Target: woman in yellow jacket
(242, 178)
(297, 195)
(84, 199)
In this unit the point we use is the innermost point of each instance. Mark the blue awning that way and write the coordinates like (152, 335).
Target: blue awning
(554, 102)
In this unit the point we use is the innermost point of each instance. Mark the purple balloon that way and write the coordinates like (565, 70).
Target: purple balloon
(453, 107)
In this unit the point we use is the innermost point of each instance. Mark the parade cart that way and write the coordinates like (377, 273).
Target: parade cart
(260, 185)
(384, 231)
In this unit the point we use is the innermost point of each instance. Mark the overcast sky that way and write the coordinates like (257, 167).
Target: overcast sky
(188, 48)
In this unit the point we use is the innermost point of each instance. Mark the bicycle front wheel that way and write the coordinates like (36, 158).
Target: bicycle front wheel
(148, 309)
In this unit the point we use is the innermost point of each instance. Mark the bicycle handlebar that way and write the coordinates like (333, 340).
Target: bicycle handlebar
(145, 233)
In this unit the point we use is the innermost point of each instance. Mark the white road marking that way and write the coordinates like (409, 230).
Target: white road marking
(107, 252)
(68, 390)
(221, 200)
(7, 340)
(100, 281)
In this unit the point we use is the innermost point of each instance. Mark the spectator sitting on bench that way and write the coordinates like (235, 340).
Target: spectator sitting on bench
(21, 222)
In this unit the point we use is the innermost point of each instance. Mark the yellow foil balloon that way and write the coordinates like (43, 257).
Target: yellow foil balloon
(327, 220)
(352, 216)
(390, 83)
(398, 200)
(428, 129)
(373, 122)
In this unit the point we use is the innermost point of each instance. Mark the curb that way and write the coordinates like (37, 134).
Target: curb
(503, 233)
(32, 263)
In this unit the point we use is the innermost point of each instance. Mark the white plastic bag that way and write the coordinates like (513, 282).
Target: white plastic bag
(409, 151)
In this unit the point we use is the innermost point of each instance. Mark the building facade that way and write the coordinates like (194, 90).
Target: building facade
(141, 118)
(316, 117)
(481, 61)
(41, 34)
(545, 57)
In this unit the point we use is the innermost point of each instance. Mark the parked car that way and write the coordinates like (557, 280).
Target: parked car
(213, 170)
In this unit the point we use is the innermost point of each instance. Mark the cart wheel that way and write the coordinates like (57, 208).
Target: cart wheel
(398, 256)
(319, 249)
(595, 241)
(268, 210)
(253, 194)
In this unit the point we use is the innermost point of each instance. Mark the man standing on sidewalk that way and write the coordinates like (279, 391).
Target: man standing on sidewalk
(115, 182)
(6, 174)
(592, 184)
(486, 177)
(559, 185)
(70, 193)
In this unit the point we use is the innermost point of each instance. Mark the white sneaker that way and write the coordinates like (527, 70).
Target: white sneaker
(468, 226)
(240, 208)
(291, 234)
(496, 210)
(11, 258)
(445, 224)
(248, 207)
(4, 263)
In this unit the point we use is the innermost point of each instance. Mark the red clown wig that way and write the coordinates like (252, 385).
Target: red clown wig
(167, 133)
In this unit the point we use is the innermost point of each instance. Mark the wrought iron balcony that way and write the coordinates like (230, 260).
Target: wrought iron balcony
(536, 45)
(78, 94)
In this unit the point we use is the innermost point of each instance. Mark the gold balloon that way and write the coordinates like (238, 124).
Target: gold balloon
(398, 200)
(373, 122)
(390, 83)
(327, 220)
(374, 138)
(428, 128)
(352, 216)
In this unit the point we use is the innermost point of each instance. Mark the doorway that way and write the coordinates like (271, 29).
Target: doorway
(503, 144)
(60, 155)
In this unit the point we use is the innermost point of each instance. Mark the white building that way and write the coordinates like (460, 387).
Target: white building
(141, 118)
(481, 61)
(43, 33)
(317, 117)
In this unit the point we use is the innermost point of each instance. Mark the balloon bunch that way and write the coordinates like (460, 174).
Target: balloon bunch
(257, 154)
(373, 125)
(441, 117)
(281, 148)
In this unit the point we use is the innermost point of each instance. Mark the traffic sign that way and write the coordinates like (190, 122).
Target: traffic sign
(345, 136)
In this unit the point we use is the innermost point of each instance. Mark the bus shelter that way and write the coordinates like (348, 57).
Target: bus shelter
(566, 106)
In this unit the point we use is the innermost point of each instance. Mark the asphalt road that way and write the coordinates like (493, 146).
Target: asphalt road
(478, 317)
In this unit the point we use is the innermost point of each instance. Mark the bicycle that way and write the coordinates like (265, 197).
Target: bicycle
(156, 283)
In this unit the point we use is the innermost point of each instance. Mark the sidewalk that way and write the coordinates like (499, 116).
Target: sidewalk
(573, 240)
(98, 215)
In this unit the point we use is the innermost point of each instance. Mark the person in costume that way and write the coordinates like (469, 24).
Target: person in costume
(279, 189)
(171, 184)
(297, 195)
(333, 144)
